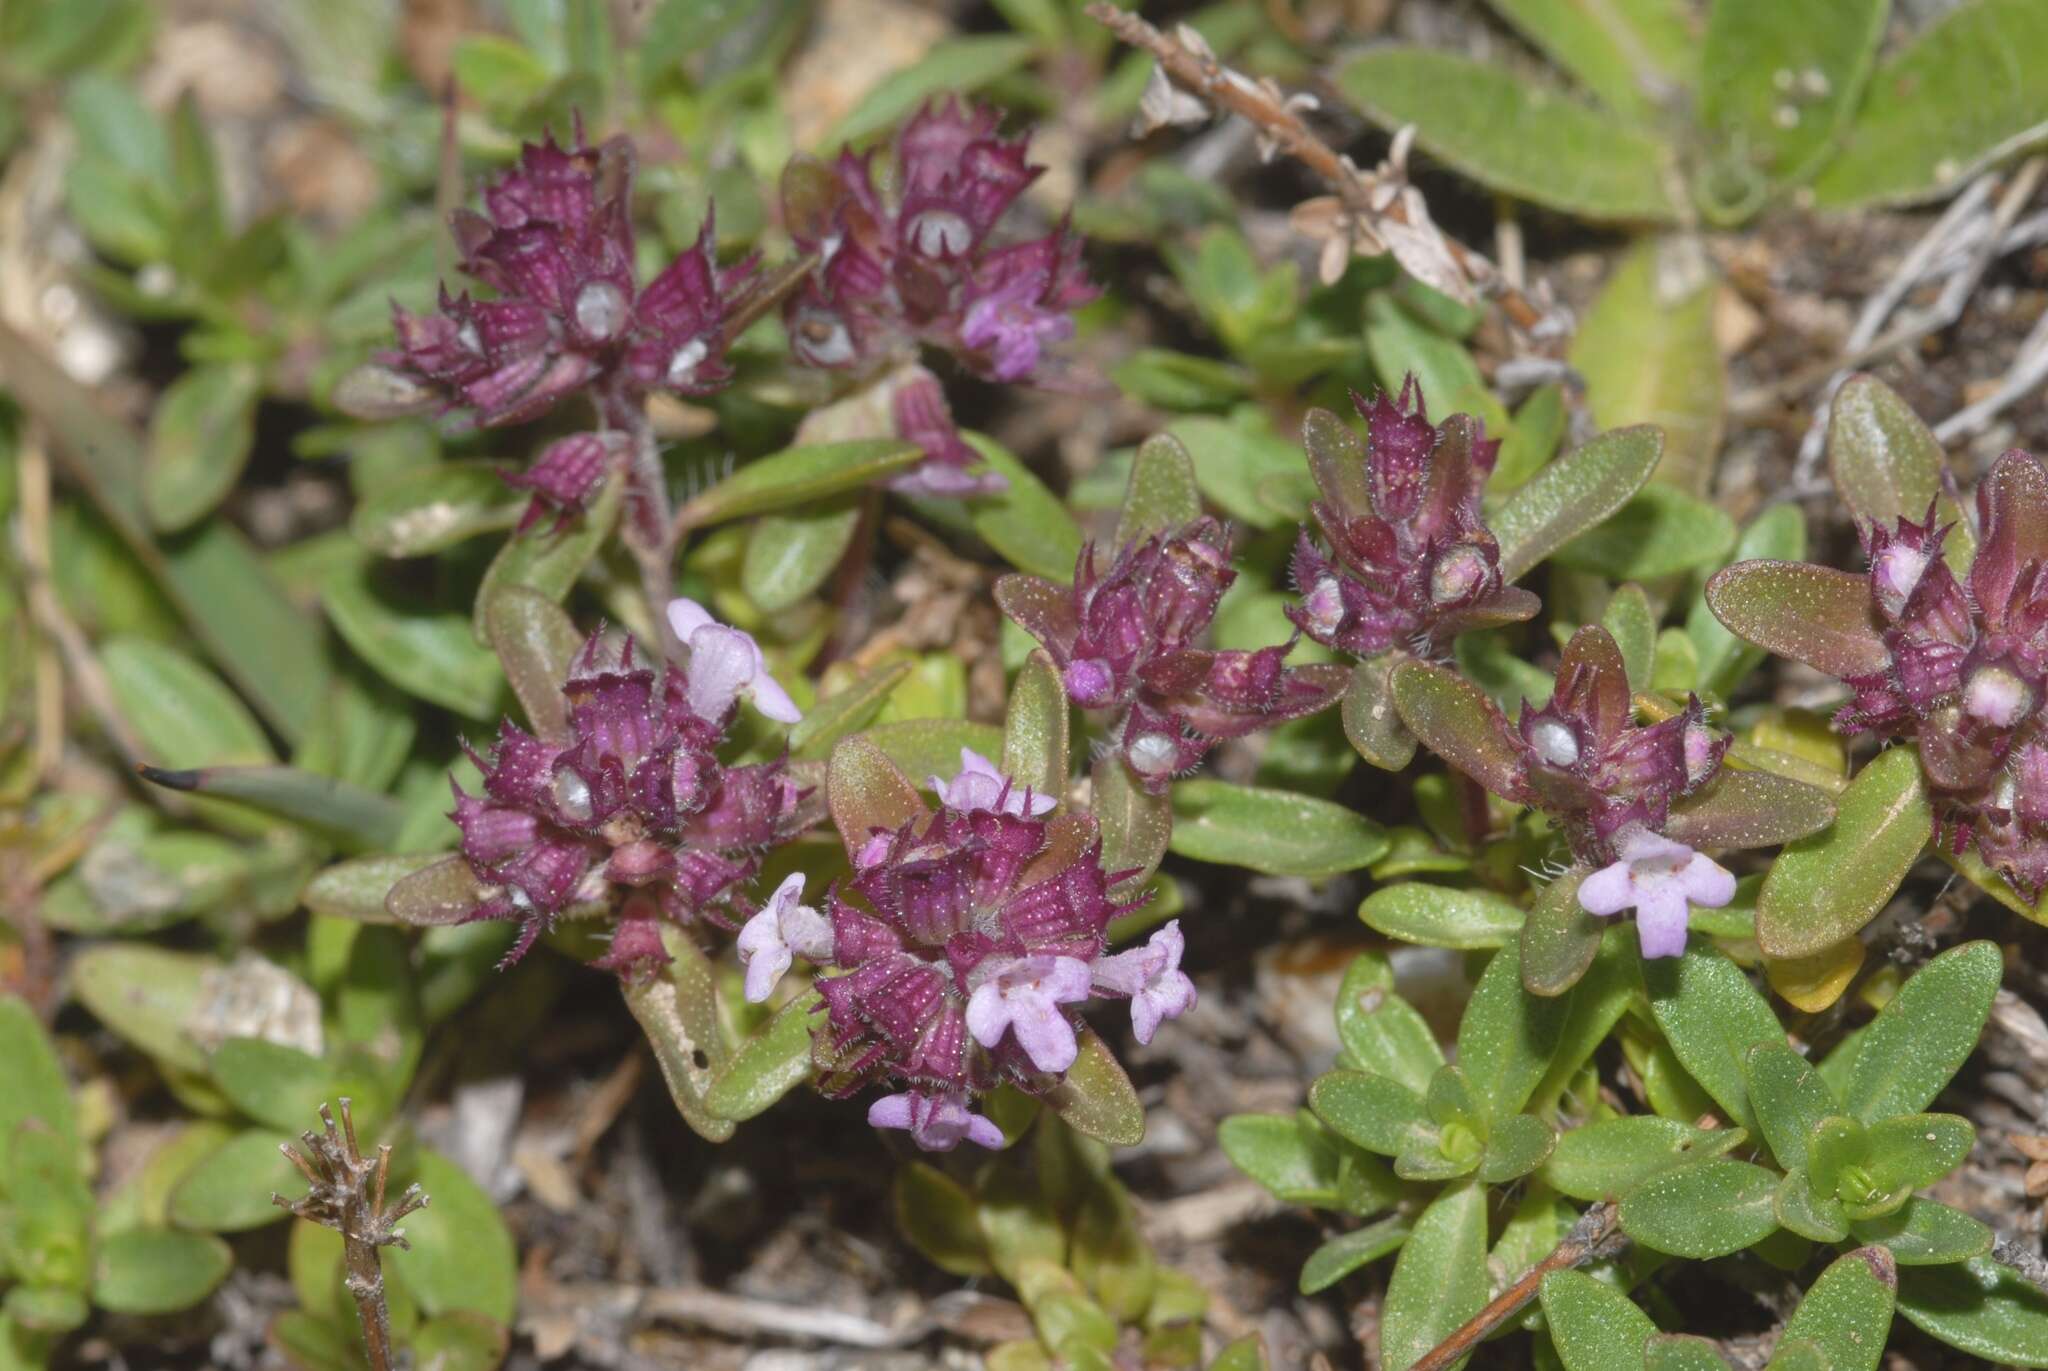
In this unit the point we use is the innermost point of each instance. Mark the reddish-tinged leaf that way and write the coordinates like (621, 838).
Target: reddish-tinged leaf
(1040, 608)
(1456, 720)
(1812, 614)
(1888, 465)
(865, 791)
(1750, 809)
(1370, 719)
(1559, 938)
(1336, 457)
(444, 893)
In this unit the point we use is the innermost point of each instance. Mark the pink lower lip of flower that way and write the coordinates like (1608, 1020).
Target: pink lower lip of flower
(1023, 998)
(936, 1123)
(1661, 880)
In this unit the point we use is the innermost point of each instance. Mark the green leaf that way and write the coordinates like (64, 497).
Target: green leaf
(1914, 1150)
(1403, 345)
(1924, 1233)
(180, 710)
(1370, 720)
(444, 892)
(1507, 1037)
(1237, 460)
(1517, 1145)
(1272, 831)
(961, 65)
(1438, 916)
(1812, 614)
(678, 1010)
(500, 72)
(350, 817)
(1971, 89)
(535, 642)
(1347, 1252)
(1627, 53)
(1790, 1098)
(1920, 1039)
(1574, 493)
(32, 1082)
(1848, 1311)
(1593, 1326)
(277, 1085)
(1512, 135)
(1826, 887)
(549, 557)
(433, 656)
(1660, 532)
(939, 1218)
(1096, 1098)
(1180, 381)
(1607, 1160)
(1888, 465)
(199, 440)
(1027, 525)
(1136, 825)
(1810, 1214)
(1752, 48)
(1248, 1353)
(229, 1190)
(1779, 532)
(799, 475)
(434, 508)
(847, 710)
(1632, 623)
(147, 995)
(1981, 1307)
(1559, 939)
(1035, 729)
(1381, 1032)
(1681, 1352)
(460, 1342)
(1162, 496)
(769, 1064)
(1609, 986)
(157, 1270)
(1110, 1256)
(461, 1256)
(1292, 1155)
(1440, 1280)
(1712, 1016)
(1708, 1209)
(1459, 723)
(1376, 1113)
(1647, 351)
(789, 555)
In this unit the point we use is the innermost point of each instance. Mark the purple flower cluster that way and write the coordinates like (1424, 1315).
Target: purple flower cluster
(1411, 563)
(555, 245)
(1960, 665)
(632, 803)
(911, 261)
(957, 954)
(1125, 639)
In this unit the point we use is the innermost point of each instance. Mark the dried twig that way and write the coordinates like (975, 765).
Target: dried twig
(348, 1196)
(1380, 212)
(1596, 1234)
(2023, 1259)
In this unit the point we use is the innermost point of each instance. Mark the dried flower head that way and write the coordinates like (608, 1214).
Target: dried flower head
(1410, 561)
(1126, 639)
(633, 799)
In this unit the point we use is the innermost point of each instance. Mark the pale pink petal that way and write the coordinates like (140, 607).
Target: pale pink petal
(1044, 1034)
(1661, 921)
(893, 1111)
(773, 701)
(1706, 882)
(983, 1132)
(686, 617)
(1168, 998)
(722, 664)
(988, 1013)
(1066, 980)
(1609, 890)
(765, 954)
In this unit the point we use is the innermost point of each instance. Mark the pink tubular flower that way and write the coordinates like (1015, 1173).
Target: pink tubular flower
(1661, 880)
(937, 1123)
(783, 928)
(555, 244)
(1411, 563)
(1023, 997)
(1152, 978)
(980, 786)
(631, 800)
(726, 665)
(1125, 639)
(914, 265)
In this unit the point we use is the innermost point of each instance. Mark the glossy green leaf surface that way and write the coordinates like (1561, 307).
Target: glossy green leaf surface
(1920, 1039)
(1826, 887)
(1274, 831)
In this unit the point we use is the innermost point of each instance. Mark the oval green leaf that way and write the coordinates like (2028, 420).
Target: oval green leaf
(1826, 887)
(1272, 831)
